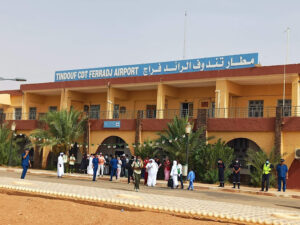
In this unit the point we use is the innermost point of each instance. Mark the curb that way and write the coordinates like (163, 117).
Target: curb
(164, 185)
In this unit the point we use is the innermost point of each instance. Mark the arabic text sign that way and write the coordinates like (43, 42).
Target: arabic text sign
(171, 67)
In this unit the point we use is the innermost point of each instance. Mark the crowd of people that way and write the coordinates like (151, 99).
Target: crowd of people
(134, 168)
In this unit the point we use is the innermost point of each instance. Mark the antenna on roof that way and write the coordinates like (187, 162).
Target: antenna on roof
(287, 31)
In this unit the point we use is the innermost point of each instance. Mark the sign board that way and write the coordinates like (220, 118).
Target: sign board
(161, 68)
(112, 124)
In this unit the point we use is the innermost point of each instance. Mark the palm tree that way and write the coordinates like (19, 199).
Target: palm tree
(174, 140)
(61, 129)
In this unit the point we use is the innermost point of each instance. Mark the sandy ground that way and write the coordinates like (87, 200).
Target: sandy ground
(17, 209)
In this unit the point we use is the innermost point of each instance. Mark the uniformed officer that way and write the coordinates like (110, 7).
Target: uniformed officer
(236, 168)
(95, 166)
(25, 163)
(221, 167)
(267, 167)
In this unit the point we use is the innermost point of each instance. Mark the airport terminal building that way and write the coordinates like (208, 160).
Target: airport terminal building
(231, 97)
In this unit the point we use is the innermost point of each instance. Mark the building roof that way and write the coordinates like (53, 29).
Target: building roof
(254, 71)
(12, 92)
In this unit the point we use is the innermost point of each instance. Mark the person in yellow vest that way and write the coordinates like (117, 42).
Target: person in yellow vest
(267, 168)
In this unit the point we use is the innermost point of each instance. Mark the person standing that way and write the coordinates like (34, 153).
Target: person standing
(137, 166)
(282, 175)
(130, 170)
(25, 163)
(167, 168)
(221, 168)
(83, 164)
(174, 174)
(72, 163)
(191, 177)
(152, 169)
(60, 165)
(113, 167)
(101, 165)
(123, 159)
(145, 172)
(236, 168)
(65, 159)
(90, 165)
(179, 168)
(159, 173)
(95, 167)
(267, 168)
(119, 167)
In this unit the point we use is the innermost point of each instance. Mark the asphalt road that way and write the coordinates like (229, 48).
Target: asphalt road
(213, 195)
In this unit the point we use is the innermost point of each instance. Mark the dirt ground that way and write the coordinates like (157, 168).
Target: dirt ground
(31, 210)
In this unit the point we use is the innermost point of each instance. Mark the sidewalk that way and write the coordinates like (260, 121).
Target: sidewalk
(197, 186)
(122, 199)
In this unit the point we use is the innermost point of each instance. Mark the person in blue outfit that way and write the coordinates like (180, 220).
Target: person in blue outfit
(114, 166)
(25, 163)
(191, 177)
(282, 175)
(95, 167)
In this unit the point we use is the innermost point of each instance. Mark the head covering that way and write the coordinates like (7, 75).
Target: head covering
(281, 160)
(61, 153)
(174, 163)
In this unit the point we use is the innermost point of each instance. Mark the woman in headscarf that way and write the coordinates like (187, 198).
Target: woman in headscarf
(60, 165)
(90, 166)
(152, 169)
(119, 167)
(174, 174)
(167, 166)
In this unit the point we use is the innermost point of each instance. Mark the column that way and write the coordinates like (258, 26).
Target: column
(295, 97)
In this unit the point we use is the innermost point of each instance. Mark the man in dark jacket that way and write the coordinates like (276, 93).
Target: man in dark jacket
(129, 168)
(113, 166)
(221, 167)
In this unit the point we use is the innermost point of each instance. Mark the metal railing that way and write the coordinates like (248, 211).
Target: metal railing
(233, 112)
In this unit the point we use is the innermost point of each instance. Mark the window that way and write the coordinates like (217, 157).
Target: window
(32, 113)
(18, 113)
(95, 112)
(52, 108)
(2, 115)
(116, 111)
(212, 110)
(123, 109)
(151, 111)
(256, 108)
(186, 109)
(287, 106)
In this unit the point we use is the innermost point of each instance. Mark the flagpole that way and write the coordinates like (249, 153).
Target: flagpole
(284, 67)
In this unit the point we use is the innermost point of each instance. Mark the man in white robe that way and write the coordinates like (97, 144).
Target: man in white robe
(174, 174)
(90, 170)
(60, 165)
(152, 169)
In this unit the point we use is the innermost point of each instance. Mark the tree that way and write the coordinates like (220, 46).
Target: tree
(148, 149)
(174, 140)
(6, 140)
(205, 161)
(256, 159)
(62, 128)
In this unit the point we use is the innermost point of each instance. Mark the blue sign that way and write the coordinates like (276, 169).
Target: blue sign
(112, 124)
(172, 67)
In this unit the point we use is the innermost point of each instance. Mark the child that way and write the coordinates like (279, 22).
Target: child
(191, 177)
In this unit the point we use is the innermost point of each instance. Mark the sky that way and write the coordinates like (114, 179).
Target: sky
(38, 38)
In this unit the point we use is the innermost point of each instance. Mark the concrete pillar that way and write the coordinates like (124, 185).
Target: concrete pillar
(160, 102)
(295, 97)
(25, 107)
(65, 100)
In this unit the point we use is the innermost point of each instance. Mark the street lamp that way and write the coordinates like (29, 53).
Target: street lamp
(188, 129)
(13, 79)
(13, 128)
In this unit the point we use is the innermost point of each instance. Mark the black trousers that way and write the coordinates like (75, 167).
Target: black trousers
(265, 179)
(221, 176)
(181, 180)
(236, 178)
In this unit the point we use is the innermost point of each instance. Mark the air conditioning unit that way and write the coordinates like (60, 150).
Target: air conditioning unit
(297, 153)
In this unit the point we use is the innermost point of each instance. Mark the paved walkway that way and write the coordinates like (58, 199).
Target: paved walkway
(197, 186)
(186, 206)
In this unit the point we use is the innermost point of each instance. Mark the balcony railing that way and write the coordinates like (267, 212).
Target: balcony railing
(233, 112)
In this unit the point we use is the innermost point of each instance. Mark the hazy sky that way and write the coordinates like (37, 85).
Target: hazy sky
(39, 37)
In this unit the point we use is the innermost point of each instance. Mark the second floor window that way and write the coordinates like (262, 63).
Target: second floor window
(286, 111)
(116, 111)
(256, 108)
(52, 108)
(32, 113)
(18, 113)
(94, 112)
(151, 111)
(186, 109)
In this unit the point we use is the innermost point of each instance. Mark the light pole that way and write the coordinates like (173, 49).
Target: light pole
(13, 79)
(13, 128)
(188, 129)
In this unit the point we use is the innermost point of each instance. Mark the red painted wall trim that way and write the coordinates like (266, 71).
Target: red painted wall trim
(24, 124)
(255, 71)
(241, 124)
(12, 92)
(291, 124)
(293, 181)
(155, 124)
